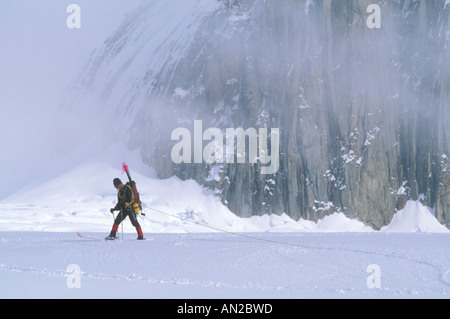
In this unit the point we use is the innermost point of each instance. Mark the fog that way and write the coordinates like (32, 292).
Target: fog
(360, 110)
(40, 59)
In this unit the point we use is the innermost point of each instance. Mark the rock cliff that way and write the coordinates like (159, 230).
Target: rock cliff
(363, 113)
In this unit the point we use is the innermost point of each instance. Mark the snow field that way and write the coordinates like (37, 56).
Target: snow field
(260, 257)
(80, 200)
(211, 265)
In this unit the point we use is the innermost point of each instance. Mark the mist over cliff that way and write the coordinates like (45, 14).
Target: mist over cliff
(363, 113)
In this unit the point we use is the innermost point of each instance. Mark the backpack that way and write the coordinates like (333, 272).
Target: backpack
(137, 204)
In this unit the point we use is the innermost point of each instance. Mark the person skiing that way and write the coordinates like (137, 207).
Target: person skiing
(125, 200)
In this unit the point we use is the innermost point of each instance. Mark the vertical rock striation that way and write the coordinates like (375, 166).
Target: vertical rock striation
(363, 113)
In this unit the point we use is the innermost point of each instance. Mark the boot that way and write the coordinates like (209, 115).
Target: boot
(111, 236)
(113, 233)
(140, 233)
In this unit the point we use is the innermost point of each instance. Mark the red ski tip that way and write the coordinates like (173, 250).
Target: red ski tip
(124, 167)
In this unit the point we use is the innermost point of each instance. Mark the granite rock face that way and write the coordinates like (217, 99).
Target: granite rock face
(363, 113)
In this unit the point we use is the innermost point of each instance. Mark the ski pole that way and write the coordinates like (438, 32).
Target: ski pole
(121, 217)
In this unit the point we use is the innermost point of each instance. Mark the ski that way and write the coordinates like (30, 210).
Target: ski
(97, 238)
(132, 183)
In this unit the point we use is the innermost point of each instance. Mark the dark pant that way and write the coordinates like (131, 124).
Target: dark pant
(123, 214)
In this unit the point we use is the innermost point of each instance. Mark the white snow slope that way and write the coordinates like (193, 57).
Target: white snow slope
(283, 265)
(258, 257)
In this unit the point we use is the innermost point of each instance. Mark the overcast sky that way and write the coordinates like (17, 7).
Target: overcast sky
(39, 57)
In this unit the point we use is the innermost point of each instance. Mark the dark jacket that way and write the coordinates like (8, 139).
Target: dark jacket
(124, 196)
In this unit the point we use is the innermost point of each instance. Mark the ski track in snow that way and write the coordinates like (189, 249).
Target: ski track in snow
(333, 265)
